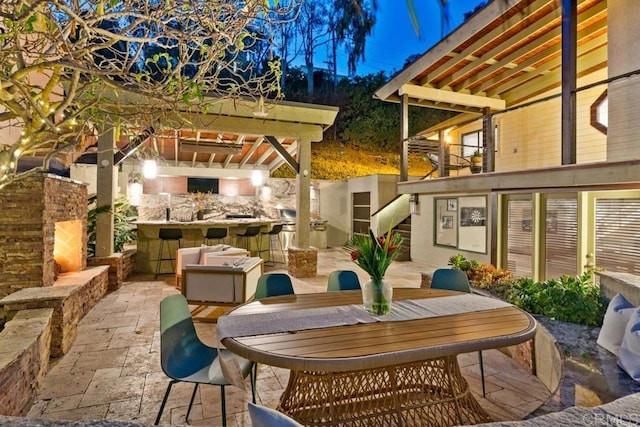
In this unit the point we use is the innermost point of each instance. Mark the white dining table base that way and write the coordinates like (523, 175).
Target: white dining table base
(431, 392)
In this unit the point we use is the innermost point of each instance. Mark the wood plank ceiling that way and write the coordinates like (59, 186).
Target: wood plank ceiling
(509, 51)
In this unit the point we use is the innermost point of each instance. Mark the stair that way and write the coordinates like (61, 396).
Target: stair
(404, 228)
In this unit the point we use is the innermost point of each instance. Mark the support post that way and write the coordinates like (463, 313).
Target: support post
(569, 76)
(488, 143)
(404, 136)
(105, 181)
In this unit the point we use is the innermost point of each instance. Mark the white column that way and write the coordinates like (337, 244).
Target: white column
(104, 222)
(303, 204)
(624, 56)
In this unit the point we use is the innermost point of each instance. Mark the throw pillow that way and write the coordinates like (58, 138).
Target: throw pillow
(208, 249)
(261, 416)
(615, 321)
(629, 354)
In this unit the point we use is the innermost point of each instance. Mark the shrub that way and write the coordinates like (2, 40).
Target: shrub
(498, 281)
(571, 298)
(122, 231)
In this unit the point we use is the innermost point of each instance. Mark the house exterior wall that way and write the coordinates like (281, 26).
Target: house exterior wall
(423, 247)
(334, 208)
(382, 188)
(624, 57)
(529, 138)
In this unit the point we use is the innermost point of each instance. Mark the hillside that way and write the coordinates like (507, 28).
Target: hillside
(336, 161)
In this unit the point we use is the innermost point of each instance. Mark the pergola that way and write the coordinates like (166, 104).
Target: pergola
(232, 139)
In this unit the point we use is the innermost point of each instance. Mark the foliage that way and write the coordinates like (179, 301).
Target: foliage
(340, 162)
(69, 69)
(375, 254)
(122, 231)
(498, 281)
(573, 299)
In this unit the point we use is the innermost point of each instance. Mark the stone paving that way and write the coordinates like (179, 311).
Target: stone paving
(113, 369)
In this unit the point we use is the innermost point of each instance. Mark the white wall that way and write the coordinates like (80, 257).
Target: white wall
(335, 208)
(624, 56)
(422, 236)
(383, 189)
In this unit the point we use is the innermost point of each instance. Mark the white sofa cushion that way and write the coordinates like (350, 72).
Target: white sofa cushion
(208, 249)
(629, 354)
(615, 321)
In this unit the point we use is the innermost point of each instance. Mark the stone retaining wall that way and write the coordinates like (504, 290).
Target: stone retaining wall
(24, 359)
(121, 265)
(74, 295)
(627, 284)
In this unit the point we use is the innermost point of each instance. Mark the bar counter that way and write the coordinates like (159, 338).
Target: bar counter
(193, 233)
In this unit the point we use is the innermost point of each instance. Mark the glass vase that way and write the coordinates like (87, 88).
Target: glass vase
(376, 296)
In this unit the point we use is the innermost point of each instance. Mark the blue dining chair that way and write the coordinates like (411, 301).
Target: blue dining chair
(343, 280)
(184, 358)
(452, 279)
(273, 285)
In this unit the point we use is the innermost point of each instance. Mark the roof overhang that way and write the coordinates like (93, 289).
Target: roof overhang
(506, 54)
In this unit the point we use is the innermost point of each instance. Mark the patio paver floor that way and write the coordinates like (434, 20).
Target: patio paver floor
(113, 369)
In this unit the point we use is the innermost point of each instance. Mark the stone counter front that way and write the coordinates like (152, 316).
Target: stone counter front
(193, 235)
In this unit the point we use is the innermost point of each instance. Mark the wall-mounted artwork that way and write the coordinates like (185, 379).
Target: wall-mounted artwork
(447, 221)
(473, 216)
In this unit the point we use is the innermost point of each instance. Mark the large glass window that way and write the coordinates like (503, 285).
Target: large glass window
(471, 142)
(561, 236)
(461, 222)
(618, 235)
(520, 235)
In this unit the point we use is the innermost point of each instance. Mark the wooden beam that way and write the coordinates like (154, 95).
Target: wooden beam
(252, 150)
(283, 153)
(596, 59)
(508, 61)
(277, 162)
(404, 137)
(569, 80)
(446, 96)
(543, 69)
(489, 38)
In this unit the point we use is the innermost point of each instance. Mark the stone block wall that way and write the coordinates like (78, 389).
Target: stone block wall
(30, 208)
(303, 262)
(121, 265)
(74, 295)
(24, 359)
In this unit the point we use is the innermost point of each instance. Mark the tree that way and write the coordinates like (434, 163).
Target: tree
(66, 65)
(313, 29)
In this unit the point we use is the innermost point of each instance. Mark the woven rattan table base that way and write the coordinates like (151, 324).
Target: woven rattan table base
(427, 393)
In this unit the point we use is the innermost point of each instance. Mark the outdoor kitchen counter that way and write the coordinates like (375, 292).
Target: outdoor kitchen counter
(192, 235)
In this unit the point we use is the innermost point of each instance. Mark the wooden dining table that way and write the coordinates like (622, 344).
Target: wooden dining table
(378, 373)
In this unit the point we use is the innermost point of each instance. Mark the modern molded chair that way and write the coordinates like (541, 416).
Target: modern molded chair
(343, 280)
(185, 358)
(456, 280)
(167, 235)
(250, 231)
(274, 232)
(273, 284)
(215, 233)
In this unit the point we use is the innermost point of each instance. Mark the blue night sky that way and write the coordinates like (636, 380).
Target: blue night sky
(393, 37)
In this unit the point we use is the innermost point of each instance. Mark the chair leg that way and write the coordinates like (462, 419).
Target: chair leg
(164, 401)
(159, 261)
(224, 407)
(254, 379)
(193, 396)
(484, 392)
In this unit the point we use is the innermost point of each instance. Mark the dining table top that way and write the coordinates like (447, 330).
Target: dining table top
(381, 343)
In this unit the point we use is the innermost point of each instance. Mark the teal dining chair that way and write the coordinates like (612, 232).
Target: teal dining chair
(273, 285)
(451, 279)
(184, 358)
(343, 280)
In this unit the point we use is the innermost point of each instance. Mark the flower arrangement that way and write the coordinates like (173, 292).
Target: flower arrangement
(374, 255)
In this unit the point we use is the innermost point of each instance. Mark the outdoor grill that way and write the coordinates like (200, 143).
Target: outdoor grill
(317, 238)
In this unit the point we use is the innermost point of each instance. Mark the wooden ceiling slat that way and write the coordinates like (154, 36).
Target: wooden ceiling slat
(494, 31)
(252, 150)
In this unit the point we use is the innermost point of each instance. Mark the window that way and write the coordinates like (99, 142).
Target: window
(471, 142)
(600, 113)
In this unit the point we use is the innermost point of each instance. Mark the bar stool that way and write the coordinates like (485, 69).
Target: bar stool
(167, 235)
(250, 231)
(275, 231)
(215, 234)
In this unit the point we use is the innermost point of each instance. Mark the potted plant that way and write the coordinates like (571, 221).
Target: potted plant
(476, 162)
